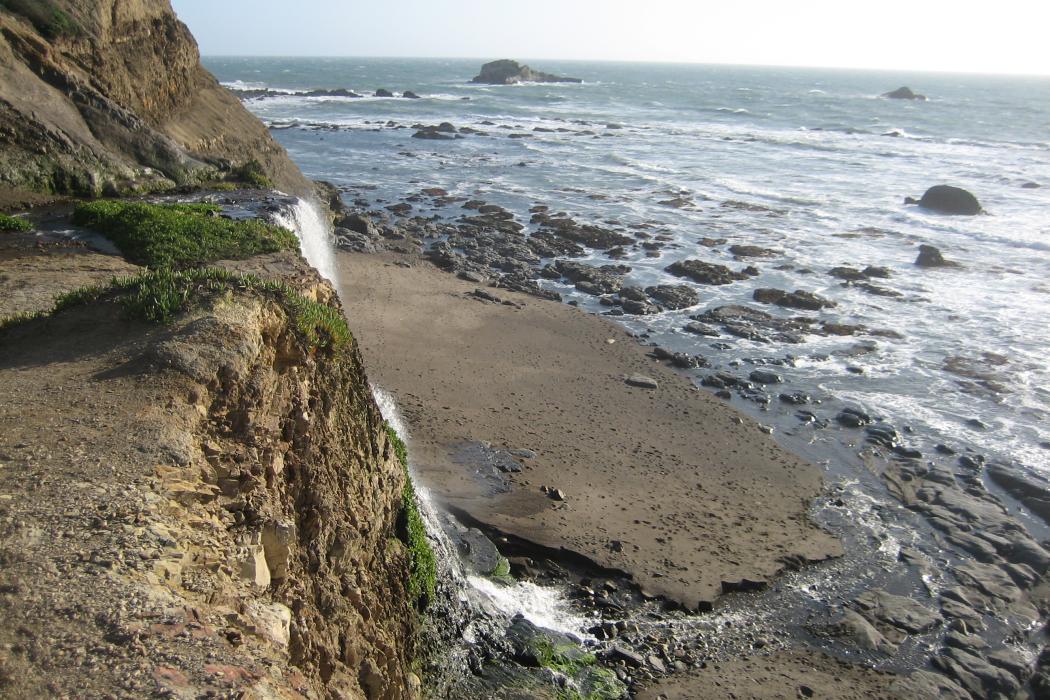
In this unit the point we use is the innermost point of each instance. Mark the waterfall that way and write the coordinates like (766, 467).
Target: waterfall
(543, 606)
(309, 223)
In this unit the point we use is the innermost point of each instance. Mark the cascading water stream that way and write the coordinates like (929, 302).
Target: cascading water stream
(309, 223)
(544, 606)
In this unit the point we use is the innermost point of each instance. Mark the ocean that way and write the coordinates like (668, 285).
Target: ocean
(810, 164)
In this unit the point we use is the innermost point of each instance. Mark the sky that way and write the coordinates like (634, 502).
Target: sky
(1008, 36)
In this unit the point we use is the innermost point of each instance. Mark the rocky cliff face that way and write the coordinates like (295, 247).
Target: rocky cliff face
(109, 95)
(208, 508)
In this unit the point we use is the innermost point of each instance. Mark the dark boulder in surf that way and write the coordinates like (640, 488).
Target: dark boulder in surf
(946, 199)
(507, 72)
(383, 92)
(930, 256)
(904, 93)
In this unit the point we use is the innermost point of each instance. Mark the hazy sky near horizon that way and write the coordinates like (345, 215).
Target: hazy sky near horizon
(962, 35)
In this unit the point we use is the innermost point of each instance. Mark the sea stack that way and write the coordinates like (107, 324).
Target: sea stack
(507, 72)
(904, 93)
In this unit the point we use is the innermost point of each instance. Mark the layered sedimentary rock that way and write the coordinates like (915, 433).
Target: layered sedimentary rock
(208, 507)
(110, 96)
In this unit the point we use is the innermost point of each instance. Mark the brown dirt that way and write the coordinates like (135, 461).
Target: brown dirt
(35, 268)
(203, 509)
(695, 493)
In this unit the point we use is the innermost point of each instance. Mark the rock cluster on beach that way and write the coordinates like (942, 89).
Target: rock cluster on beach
(508, 72)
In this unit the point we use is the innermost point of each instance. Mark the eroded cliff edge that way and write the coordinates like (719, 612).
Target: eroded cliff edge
(105, 96)
(208, 506)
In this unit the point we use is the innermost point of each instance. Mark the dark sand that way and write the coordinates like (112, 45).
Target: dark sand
(693, 490)
(782, 675)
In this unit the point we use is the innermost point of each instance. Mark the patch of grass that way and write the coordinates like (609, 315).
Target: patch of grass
(252, 173)
(51, 21)
(157, 296)
(12, 320)
(422, 576)
(14, 223)
(180, 235)
(79, 297)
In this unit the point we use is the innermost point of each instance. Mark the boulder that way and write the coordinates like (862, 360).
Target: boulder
(410, 95)
(929, 256)
(904, 93)
(507, 72)
(706, 273)
(642, 381)
(947, 199)
(797, 299)
(896, 611)
(382, 92)
(360, 224)
(674, 296)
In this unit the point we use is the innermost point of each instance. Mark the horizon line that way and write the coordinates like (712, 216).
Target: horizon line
(729, 64)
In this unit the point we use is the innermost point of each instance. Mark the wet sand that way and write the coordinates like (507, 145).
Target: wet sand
(670, 485)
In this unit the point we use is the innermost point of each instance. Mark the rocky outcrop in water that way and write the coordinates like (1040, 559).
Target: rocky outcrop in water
(930, 256)
(904, 93)
(946, 199)
(507, 72)
(110, 96)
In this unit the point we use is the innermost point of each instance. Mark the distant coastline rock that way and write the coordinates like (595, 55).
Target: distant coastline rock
(507, 72)
(410, 95)
(383, 92)
(946, 199)
(904, 93)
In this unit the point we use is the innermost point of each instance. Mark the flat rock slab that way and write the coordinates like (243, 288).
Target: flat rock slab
(642, 381)
(671, 486)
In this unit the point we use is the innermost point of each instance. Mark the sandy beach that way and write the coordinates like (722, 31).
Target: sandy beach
(673, 487)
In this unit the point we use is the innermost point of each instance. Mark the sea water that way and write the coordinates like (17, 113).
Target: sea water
(811, 163)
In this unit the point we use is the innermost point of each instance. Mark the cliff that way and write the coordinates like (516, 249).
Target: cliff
(105, 96)
(207, 506)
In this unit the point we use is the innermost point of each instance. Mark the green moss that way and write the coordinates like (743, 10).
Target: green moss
(567, 658)
(180, 235)
(502, 570)
(422, 576)
(13, 223)
(252, 173)
(595, 683)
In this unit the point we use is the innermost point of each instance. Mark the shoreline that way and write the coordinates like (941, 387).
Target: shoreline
(536, 375)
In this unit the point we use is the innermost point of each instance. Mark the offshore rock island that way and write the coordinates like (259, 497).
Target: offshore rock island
(507, 72)
(262, 436)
